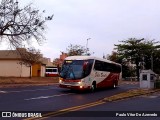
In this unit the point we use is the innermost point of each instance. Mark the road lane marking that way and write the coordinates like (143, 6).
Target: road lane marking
(28, 90)
(67, 110)
(76, 108)
(151, 96)
(3, 91)
(44, 97)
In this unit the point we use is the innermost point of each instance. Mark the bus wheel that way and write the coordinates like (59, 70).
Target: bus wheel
(114, 85)
(93, 87)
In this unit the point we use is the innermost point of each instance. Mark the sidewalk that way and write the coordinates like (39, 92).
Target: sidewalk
(23, 82)
(128, 82)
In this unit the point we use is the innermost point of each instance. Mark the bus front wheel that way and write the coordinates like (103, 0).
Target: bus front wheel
(93, 87)
(114, 84)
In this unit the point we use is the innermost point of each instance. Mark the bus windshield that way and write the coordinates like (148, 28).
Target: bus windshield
(76, 69)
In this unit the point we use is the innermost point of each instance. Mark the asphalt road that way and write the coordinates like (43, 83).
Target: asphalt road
(137, 108)
(145, 107)
(50, 99)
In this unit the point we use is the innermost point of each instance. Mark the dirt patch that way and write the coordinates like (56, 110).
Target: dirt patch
(18, 82)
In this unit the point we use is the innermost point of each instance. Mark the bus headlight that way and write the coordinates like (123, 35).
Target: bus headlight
(60, 80)
(79, 83)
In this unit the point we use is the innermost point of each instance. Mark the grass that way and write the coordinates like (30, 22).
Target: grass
(130, 93)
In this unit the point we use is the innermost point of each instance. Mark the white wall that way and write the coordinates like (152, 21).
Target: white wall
(43, 70)
(12, 68)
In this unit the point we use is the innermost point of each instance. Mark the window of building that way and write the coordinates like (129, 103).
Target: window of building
(144, 77)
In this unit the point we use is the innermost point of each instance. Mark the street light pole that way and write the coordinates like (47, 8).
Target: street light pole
(87, 45)
(152, 61)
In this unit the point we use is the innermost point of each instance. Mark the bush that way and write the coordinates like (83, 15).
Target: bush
(157, 84)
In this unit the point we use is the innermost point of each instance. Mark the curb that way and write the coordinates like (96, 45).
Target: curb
(130, 94)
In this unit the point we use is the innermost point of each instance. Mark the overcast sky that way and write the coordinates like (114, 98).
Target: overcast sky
(106, 22)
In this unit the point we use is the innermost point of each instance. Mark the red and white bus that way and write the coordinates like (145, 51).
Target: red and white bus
(52, 72)
(87, 72)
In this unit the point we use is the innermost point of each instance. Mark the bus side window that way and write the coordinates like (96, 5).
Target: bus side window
(98, 65)
(108, 67)
(88, 67)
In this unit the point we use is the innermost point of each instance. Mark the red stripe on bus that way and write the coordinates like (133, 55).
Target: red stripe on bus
(108, 81)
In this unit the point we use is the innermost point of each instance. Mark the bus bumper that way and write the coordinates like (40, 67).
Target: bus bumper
(73, 87)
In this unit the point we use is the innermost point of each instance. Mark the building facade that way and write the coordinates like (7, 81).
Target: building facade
(11, 65)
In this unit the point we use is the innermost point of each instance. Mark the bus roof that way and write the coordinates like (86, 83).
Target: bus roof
(89, 57)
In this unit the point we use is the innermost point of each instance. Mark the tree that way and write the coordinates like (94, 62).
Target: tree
(114, 57)
(140, 51)
(156, 61)
(126, 70)
(30, 57)
(77, 50)
(18, 25)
